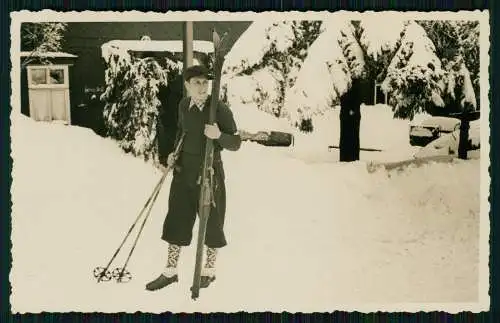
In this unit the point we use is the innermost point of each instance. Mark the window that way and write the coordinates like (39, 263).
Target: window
(56, 76)
(38, 76)
(50, 76)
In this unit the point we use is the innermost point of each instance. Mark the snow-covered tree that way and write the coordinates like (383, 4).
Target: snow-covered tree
(42, 37)
(325, 75)
(131, 102)
(268, 69)
(349, 56)
(415, 78)
(457, 45)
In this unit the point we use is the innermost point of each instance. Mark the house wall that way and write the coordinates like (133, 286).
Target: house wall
(84, 39)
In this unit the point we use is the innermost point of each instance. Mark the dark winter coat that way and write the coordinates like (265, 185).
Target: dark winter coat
(191, 121)
(185, 188)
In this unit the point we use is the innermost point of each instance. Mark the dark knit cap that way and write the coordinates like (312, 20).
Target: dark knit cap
(195, 71)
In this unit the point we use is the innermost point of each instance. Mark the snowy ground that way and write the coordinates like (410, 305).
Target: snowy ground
(305, 233)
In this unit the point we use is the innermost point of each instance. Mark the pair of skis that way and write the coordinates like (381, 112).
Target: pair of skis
(206, 190)
(121, 274)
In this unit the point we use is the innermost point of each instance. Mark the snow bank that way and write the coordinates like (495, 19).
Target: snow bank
(378, 130)
(416, 230)
(249, 118)
(74, 195)
(349, 232)
(448, 143)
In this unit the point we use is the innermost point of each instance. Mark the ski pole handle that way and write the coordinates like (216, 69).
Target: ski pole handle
(179, 145)
(172, 158)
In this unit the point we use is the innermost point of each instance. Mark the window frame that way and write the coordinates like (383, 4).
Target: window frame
(48, 85)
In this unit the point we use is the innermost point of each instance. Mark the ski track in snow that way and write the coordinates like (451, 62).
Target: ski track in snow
(305, 233)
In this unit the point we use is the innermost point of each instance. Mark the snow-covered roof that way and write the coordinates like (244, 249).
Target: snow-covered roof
(48, 54)
(201, 46)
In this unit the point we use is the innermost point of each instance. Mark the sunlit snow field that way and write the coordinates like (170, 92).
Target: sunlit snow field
(305, 232)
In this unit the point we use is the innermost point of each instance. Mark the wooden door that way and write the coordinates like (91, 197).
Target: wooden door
(59, 104)
(40, 104)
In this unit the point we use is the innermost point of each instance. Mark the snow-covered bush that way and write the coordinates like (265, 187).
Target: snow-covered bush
(131, 102)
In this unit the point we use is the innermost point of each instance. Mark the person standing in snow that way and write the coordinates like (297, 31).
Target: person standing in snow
(185, 186)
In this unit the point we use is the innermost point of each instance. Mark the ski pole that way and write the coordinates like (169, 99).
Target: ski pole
(100, 272)
(119, 273)
(105, 269)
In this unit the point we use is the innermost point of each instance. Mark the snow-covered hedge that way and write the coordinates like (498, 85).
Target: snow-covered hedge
(131, 103)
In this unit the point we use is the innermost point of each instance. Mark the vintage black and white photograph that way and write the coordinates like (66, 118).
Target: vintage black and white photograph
(275, 161)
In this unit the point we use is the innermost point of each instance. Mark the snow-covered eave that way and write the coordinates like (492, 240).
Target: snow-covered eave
(200, 46)
(48, 54)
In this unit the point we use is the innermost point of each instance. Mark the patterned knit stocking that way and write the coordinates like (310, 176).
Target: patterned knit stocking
(174, 252)
(209, 269)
